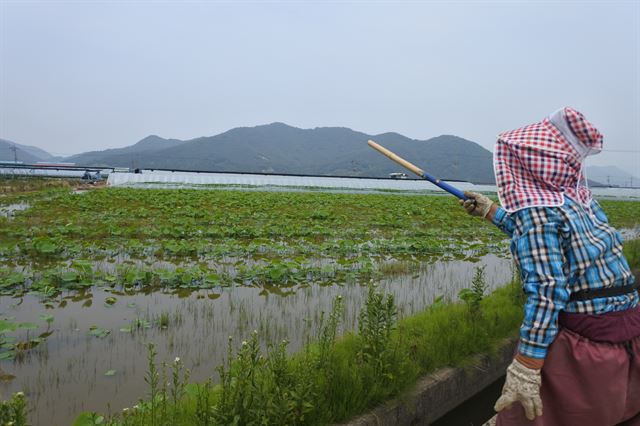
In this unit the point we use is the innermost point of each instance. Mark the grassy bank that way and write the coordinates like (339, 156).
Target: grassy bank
(622, 214)
(632, 253)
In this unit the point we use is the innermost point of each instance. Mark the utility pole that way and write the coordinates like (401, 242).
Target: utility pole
(608, 182)
(15, 153)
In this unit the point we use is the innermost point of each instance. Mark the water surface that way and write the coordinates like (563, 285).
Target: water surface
(65, 375)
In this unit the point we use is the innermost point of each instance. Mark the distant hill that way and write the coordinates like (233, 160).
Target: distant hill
(280, 148)
(125, 156)
(25, 153)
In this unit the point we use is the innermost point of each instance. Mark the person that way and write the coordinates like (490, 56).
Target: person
(578, 356)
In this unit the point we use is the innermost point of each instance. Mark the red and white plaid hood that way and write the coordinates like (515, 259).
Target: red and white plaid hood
(537, 164)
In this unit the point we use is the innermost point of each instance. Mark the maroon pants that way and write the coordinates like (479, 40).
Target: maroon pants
(591, 375)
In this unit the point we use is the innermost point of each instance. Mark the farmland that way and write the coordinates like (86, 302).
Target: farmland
(90, 278)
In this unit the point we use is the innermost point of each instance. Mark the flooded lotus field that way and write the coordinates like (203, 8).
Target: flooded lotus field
(88, 279)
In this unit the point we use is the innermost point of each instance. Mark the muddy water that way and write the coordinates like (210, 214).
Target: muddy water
(65, 375)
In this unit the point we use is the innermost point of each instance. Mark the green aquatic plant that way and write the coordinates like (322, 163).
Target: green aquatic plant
(163, 320)
(89, 419)
(47, 318)
(13, 347)
(140, 324)
(152, 378)
(7, 343)
(473, 296)
(377, 321)
(14, 411)
(179, 381)
(45, 246)
(98, 331)
(10, 279)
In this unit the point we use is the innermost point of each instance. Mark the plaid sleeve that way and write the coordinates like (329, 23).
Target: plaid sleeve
(598, 212)
(538, 252)
(503, 221)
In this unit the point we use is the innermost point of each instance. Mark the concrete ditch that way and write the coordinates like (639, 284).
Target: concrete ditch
(441, 391)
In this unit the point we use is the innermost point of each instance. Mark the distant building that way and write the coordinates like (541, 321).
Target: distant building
(398, 176)
(49, 164)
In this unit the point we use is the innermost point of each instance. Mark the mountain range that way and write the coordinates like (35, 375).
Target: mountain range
(280, 148)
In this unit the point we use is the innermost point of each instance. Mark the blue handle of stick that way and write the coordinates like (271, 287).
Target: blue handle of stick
(417, 170)
(444, 185)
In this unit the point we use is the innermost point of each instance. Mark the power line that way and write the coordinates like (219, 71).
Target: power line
(621, 150)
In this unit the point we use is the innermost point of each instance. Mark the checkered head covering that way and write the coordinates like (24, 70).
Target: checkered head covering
(537, 164)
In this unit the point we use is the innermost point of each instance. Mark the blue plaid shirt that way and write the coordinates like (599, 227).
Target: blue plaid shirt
(560, 250)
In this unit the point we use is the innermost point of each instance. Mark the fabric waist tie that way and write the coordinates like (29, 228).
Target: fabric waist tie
(612, 327)
(583, 295)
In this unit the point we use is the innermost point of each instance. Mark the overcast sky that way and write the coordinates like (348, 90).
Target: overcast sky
(78, 76)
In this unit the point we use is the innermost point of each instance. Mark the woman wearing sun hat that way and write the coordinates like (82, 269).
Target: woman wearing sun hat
(578, 358)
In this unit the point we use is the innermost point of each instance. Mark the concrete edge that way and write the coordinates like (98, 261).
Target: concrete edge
(441, 391)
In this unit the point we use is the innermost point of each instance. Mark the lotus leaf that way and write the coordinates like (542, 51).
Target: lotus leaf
(7, 326)
(45, 245)
(98, 332)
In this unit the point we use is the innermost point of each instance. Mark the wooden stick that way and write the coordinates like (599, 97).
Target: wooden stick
(404, 163)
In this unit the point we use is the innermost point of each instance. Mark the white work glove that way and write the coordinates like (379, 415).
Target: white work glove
(523, 385)
(476, 204)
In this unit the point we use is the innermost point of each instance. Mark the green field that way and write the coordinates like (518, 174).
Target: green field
(59, 242)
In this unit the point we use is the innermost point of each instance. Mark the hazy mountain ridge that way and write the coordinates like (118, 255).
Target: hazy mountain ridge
(25, 153)
(612, 175)
(280, 148)
(124, 156)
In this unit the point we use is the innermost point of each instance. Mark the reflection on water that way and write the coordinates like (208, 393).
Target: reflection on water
(10, 210)
(65, 375)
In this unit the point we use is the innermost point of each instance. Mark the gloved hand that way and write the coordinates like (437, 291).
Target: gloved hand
(523, 385)
(477, 204)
